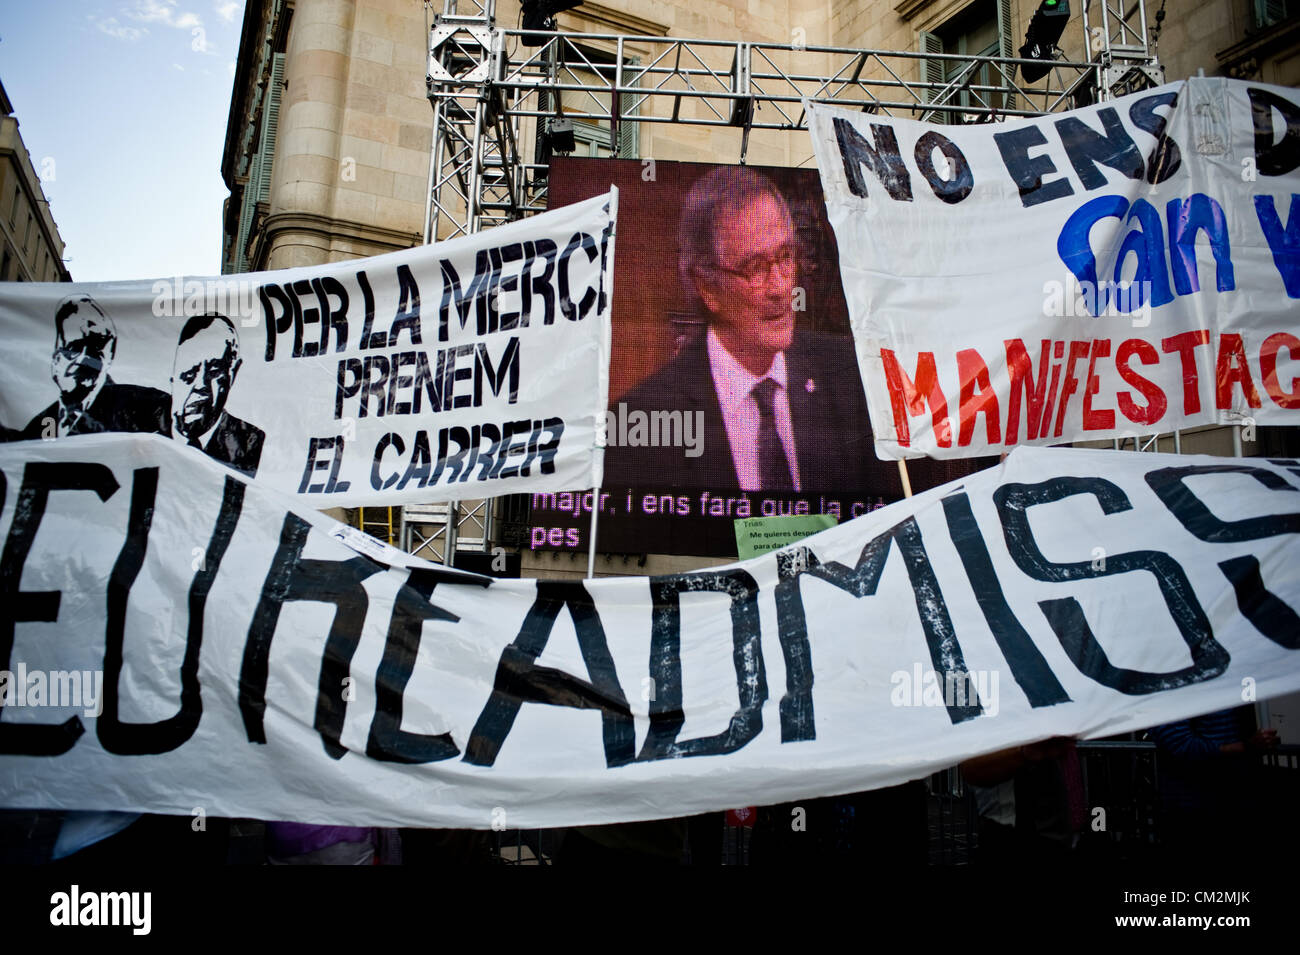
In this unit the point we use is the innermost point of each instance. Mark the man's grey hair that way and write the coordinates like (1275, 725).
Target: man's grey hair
(721, 189)
(199, 323)
(71, 306)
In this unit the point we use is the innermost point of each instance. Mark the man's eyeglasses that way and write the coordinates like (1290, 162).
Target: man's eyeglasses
(755, 269)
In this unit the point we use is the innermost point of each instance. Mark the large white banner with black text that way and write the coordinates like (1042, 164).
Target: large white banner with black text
(465, 369)
(174, 637)
(1124, 269)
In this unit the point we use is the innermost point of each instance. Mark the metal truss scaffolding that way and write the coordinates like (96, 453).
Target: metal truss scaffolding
(494, 92)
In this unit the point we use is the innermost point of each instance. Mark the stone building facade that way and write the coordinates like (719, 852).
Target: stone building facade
(329, 132)
(31, 249)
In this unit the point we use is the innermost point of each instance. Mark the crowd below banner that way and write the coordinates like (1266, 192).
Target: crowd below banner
(1217, 786)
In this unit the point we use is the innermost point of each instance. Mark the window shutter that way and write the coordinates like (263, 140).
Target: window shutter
(245, 219)
(931, 70)
(628, 138)
(1006, 37)
(270, 126)
(1269, 12)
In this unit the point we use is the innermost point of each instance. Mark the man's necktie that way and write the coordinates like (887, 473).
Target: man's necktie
(773, 465)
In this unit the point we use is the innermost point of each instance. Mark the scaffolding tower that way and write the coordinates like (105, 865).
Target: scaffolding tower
(495, 91)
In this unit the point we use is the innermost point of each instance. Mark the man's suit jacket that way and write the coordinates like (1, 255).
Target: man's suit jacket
(116, 408)
(828, 413)
(235, 443)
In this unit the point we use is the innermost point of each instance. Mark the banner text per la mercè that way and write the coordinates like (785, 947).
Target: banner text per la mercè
(402, 377)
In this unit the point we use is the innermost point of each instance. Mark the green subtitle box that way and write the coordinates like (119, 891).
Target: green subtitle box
(759, 535)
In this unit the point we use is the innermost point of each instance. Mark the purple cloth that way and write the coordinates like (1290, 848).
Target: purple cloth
(296, 838)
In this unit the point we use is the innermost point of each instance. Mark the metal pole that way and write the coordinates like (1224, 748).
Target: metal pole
(435, 157)
(449, 537)
(591, 543)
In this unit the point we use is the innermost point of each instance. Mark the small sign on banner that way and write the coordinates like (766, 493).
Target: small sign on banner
(760, 535)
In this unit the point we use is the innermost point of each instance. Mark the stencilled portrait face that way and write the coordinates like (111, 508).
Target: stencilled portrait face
(201, 379)
(84, 345)
(750, 294)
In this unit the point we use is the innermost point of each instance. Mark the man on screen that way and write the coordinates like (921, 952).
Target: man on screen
(782, 406)
(207, 360)
(90, 402)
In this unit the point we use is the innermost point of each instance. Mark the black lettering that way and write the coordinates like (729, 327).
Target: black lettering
(1028, 667)
(333, 319)
(940, 634)
(1027, 171)
(368, 339)
(1086, 147)
(275, 324)
(39, 479)
(291, 577)
(411, 608)
(509, 365)
(520, 680)
(1065, 616)
(1270, 615)
(882, 158)
(540, 284)
(952, 190)
(133, 739)
(1166, 157)
(395, 440)
(474, 295)
(1170, 486)
(347, 366)
(666, 714)
(408, 308)
(579, 240)
(1274, 159)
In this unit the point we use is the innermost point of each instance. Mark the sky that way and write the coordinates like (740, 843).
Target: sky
(122, 105)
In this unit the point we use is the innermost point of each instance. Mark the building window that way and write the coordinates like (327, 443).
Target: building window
(1271, 12)
(593, 137)
(13, 209)
(981, 29)
(4, 269)
(257, 188)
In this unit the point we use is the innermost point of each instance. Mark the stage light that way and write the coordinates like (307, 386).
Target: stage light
(560, 136)
(540, 15)
(1045, 29)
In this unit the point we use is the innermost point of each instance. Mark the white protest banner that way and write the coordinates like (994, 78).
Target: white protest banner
(469, 368)
(174, 637)
(1128, 268)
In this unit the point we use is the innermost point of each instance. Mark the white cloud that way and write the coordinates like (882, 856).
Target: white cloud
(177, 66)
(117, 31)
(228, 11)
(164, 12)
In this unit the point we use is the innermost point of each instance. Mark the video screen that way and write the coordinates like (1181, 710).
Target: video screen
(734, 388)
